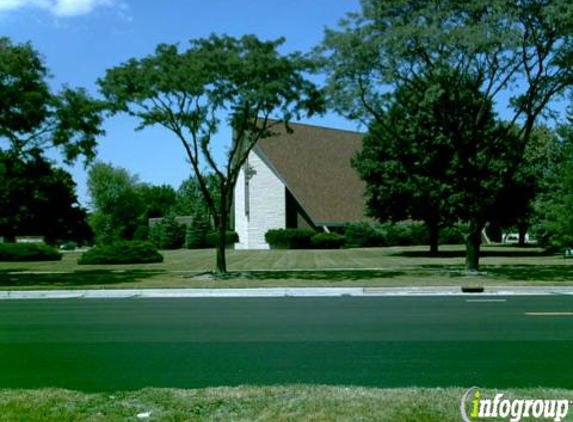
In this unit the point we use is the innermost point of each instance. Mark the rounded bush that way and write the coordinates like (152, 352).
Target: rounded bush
(418, 233)
(14, 252)
(362, 235)
(366, 234)
(327, 241)
(123, 252)
(454, 235)
(404, 234)
(212, 239)
(289, 238)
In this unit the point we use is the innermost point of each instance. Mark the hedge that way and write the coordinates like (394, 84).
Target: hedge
(212, 239)
(122, 252)
(366, 234)
(28, 252)
(363, 234)
(289, 238)
(327, 241)
(454, 235)
(404, 234)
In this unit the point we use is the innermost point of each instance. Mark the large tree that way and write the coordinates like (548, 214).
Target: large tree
(40, 200)
(158, 201)
(521, 50)
(116, 202)
(122, 204)
(514, 208)
(425, 162)
(190, 200)
(37, 198)
(33, 118)
(554, 205)
(406, 160)
(245, 82)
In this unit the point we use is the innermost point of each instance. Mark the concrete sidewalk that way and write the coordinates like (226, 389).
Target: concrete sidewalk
(284, 292)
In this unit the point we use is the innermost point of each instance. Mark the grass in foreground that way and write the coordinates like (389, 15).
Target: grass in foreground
(375, 267)
(273, 404)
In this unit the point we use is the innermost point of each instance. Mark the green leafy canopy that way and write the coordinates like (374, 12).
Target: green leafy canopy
(245, 82)
(33, 118)
(517, 54)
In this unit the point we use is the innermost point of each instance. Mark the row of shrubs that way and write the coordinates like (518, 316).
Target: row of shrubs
(13, 252)
(303, 239)
(170, 234)
(362, 235)
(355, 235)
(122, 252)
(399, 234)
(137, 252)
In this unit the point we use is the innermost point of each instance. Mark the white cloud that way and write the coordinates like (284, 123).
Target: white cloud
(75, 7)
(17, 4)
(56, 7)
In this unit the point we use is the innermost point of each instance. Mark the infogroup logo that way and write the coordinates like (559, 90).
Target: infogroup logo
(474, 406)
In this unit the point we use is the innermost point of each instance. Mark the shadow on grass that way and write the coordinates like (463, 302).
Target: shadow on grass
(328, 275)
(13, 278)
(525, 253)
(532, 272)
(511, 272)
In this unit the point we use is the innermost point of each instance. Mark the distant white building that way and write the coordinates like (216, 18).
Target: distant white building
(302, 179)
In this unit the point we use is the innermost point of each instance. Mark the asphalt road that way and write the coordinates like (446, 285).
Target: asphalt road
(125, 344)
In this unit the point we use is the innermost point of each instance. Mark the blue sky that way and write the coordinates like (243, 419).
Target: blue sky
(80, 39)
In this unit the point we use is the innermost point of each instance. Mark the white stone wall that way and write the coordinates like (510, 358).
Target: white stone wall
(241, 223)
(261, 208)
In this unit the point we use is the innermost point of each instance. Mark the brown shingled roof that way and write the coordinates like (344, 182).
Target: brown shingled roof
(314, 163)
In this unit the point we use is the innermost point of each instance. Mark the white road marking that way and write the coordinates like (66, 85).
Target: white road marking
(486, 300)
(549, 314)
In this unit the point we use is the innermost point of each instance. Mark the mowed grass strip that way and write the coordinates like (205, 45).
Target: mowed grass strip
(297, 403)
(372, 267)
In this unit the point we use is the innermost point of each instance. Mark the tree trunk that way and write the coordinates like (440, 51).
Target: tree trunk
(473, 242)
(434, 232)
(221, 245)
(522, 229)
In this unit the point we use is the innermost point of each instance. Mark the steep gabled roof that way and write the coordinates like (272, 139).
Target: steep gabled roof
(314, 164)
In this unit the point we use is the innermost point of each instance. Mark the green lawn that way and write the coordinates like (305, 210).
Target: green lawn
(381, 267)
(246, 404)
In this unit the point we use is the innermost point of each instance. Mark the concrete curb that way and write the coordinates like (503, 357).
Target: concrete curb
(283, 292)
